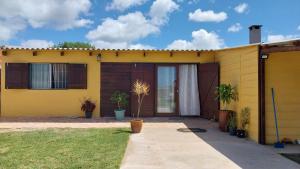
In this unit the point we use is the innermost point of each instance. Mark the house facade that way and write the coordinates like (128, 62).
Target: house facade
(52, 82)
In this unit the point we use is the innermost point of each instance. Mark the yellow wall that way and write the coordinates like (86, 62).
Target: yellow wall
(239, 67)
(38, 103)
(157, 57)
(24, 102)
(282, 73)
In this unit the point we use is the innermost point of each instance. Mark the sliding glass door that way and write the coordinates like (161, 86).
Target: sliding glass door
(166, 90)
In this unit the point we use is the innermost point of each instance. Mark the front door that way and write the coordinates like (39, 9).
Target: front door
(166, 90)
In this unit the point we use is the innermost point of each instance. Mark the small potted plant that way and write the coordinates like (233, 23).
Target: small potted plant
(225, 93)
(88, 107)
(245, 116)
(232, 124)
(140, 89)
(120, 99)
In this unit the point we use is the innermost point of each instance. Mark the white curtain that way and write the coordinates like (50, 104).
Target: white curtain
(40, 76)
(189, 104)
(59, 75)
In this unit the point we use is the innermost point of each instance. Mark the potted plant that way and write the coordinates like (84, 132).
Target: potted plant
(120, 99)
(225, 93)
(232, 124)
(245, 116)
(140, 89)
(88, 107)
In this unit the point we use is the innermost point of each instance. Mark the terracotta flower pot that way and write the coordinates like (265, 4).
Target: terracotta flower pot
(223, 119)
(136, 125)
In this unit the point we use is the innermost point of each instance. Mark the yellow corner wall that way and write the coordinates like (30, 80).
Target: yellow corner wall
(282, 73)
(39, 103)
(239, 67)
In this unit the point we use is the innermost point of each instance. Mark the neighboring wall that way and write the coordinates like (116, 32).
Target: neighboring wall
(282, 72)
(64, 102)
(239, 67)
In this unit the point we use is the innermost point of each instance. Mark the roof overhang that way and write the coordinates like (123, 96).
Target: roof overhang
(283, 46)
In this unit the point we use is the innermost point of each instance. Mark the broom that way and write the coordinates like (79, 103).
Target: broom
(278, 144)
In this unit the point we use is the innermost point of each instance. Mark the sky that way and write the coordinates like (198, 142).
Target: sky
(146, 24)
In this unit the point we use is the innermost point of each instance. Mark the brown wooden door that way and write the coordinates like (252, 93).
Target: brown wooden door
(144, 72)
(114, 76)
(208, 78)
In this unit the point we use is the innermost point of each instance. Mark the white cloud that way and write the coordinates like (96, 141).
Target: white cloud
(126, 28)
(57, 14)
(241, 8)
(122, 5)
(36, 43)
(120, 45)
(160, 10)
(140, 46)
(277, 38)
(235, 27)
(110, 45)
(298, 28)
(201, 39)
(207, 16)
(10, 27)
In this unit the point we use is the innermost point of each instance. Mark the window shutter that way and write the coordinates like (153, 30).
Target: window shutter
(16, 75)
(77, 76)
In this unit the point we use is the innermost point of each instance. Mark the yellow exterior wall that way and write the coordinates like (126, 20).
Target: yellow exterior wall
(157, 57)
(282, 73)
(39, 103)
(239, 67)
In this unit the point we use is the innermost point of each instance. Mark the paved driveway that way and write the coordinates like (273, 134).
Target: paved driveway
(161, 146)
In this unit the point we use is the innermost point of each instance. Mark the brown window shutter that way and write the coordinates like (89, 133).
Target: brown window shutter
(77, 76)
(16, 75)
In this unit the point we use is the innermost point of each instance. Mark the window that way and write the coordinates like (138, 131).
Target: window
(48, 76)
(45, 76)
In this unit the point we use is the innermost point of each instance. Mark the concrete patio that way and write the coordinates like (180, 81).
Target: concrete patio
(161, 146)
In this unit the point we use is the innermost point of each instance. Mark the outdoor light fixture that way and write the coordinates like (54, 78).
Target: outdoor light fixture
(99, 57)
(91, 53)
(264, 56)
(34, 53)
(117, 54)
(171, 54)
(198, 54)
(144, 54)
(62, 53)
(4, 53)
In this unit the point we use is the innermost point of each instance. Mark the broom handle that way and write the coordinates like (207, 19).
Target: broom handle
(275, 114)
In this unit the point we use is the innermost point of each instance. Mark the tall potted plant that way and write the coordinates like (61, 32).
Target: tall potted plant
(245, 119)
(88, 106)
(225, 93)
(120, 99)
(140, 89)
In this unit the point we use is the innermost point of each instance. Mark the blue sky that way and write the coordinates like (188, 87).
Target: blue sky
(160, 24)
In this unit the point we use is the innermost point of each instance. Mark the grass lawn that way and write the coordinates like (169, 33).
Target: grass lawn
(63, 148)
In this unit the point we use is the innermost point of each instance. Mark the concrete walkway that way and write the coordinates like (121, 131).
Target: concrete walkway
(161, 146)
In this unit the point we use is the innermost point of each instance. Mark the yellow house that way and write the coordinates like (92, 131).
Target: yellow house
(52, 82)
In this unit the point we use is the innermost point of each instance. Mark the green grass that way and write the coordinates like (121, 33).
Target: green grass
(63, 148)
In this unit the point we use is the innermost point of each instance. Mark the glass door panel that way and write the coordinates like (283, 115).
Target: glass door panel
(166, 89)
